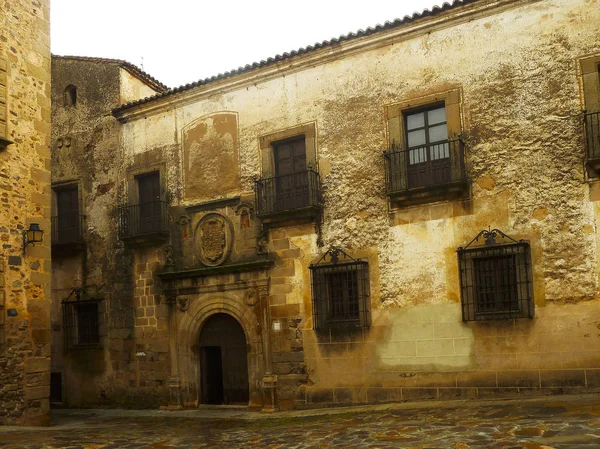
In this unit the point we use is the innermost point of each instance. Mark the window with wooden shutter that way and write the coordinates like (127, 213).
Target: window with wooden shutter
(67, 224)
(289, 188)
(145, 216)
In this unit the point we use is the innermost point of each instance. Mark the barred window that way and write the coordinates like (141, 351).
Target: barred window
(495, 279)
(81, 322)
(340, 291)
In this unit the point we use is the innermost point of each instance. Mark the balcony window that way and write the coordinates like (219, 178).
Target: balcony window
(294, 190)
(496, 278)
(425, 160)
(340, 289)
(149, 216)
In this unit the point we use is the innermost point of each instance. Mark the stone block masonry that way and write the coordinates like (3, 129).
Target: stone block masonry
(24, 199)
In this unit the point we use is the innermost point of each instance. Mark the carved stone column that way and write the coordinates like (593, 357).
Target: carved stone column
(269, 380)
(175, 402)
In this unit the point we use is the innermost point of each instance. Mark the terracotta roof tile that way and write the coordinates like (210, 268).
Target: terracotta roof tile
(310, 48)
(133, 69)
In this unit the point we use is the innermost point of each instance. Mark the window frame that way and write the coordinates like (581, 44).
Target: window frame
(455, 183)
(474, 301)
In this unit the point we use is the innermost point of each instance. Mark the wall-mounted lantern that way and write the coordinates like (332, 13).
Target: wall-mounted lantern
(32, 235)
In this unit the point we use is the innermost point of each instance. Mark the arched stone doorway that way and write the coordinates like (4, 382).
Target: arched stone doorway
(223, 361)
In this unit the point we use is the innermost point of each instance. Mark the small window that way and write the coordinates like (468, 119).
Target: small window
(340, 291)
(495, 278)
(81, 323)
(70, 96)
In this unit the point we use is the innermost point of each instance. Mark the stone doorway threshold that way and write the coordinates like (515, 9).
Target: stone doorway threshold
(224, 407)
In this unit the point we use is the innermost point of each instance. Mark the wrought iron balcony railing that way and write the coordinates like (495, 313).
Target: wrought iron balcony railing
(592, 138)
(287, 193)
(143, 219)
(434, 165)
(67, 229)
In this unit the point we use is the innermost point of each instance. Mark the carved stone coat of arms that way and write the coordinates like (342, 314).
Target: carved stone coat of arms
(213, 239)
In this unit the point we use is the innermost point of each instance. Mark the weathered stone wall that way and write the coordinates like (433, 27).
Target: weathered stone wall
(516, 68)
(25, 198)
(86, 152)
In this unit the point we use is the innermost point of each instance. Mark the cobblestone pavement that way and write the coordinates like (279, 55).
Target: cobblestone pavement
(558, 422)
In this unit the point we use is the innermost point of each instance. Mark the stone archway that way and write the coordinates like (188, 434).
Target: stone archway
(191, 323)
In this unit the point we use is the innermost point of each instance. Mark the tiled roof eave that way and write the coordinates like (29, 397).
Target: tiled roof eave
(129, 67)
(303, 52)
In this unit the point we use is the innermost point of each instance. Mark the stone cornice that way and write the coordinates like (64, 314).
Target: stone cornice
(238, 267)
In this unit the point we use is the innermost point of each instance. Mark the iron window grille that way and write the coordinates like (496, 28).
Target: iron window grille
(81, 320)
(340, 287)
(496, 278)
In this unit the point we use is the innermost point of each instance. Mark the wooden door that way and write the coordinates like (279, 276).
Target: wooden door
(212, 375)
(67, 205)
(291, 176)
(224, 377)
(150, 204)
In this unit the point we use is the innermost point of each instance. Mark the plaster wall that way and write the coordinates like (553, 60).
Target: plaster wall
(520, 110)
(132, 88)
(25, 198)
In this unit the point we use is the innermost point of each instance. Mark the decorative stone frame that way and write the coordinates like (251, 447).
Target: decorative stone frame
(202, 307)
(267, 145)
(57, 186)
(132, 181)
(452, 101)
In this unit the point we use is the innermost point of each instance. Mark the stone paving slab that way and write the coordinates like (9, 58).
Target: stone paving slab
(559, 422)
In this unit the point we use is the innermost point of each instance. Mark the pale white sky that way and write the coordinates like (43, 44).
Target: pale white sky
(182, 41)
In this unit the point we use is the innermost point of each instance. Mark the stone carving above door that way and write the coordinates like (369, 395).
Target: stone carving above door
(213, 238)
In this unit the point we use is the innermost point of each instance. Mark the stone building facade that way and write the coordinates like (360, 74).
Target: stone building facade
(408, 212)
(90, 273)
(24, 200)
